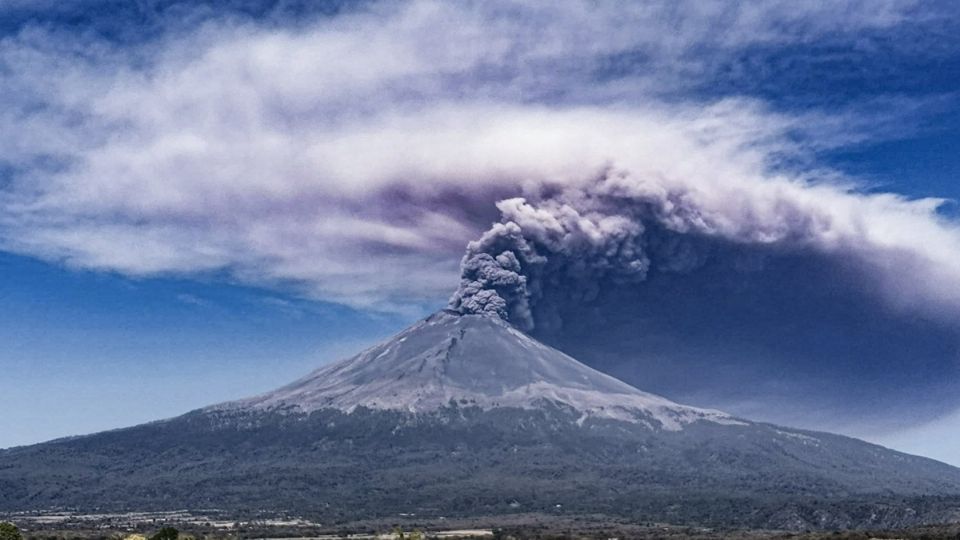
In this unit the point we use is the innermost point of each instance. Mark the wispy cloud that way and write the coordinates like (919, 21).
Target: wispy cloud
(191, 299)
(354, 158)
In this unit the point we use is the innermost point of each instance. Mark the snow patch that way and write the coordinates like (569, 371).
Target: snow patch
(477, 361)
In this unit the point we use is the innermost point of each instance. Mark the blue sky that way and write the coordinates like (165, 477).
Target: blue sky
(201, 201)
(86, 351)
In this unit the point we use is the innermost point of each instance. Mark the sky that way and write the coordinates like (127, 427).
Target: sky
(749, 207)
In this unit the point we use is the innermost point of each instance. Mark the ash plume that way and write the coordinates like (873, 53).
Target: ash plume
(690, 290)
(503, 271)
(569, 244)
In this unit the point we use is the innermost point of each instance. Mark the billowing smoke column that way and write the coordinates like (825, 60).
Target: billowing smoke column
(719, 295)
(569, 242)
(502, 271)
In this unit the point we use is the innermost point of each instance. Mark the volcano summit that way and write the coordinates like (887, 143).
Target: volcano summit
(451, 359)
(465, 415)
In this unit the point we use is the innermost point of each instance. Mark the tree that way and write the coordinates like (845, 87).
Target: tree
(166, 533)
(9, 531)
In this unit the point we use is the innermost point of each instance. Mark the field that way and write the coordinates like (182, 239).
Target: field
(213, 524)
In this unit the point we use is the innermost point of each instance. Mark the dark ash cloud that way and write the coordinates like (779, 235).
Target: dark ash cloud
(783, 320)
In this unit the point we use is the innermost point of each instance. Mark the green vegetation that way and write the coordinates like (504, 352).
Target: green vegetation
(9, 531)
(398, 534)
(166, 533)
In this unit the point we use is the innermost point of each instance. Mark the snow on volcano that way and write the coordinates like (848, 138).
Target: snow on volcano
(452, 359)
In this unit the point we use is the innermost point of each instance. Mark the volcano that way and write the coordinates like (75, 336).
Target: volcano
(450, 359)
(464, 415)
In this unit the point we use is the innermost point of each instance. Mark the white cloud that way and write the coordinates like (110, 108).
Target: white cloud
(349, 158)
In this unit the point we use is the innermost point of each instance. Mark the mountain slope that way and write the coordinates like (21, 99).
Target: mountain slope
(477, 361)
(463, 415)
